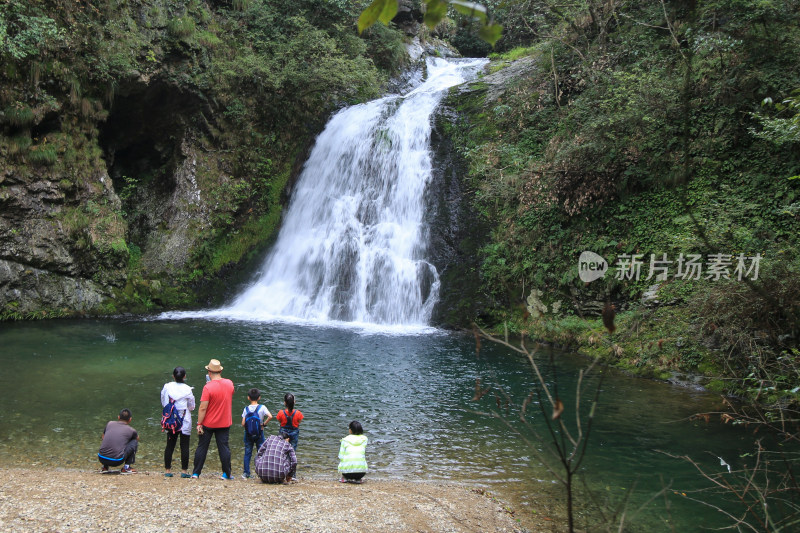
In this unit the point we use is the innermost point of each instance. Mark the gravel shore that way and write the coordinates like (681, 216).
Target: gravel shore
(73, 500)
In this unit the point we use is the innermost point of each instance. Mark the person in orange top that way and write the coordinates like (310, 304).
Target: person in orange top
(290, 419)
(214, 418)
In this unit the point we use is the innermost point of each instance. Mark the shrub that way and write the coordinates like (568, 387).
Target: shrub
(386, 47)
(750, 320)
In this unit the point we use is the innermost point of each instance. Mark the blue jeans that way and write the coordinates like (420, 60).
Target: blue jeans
(248, 449)
(293, 434)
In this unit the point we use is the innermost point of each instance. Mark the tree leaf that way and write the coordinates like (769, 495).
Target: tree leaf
(435, 12)
(491, 33)
(383, 10)
(389, 11)
(470, 9)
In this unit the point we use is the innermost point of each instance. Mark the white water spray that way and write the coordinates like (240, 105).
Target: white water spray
(353, 244)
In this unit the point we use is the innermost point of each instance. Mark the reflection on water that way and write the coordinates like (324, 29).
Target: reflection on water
(63, 380)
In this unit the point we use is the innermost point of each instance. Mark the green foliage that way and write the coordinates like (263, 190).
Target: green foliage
(209, 40)
(306, 63)
(241, 5)
(25, 32)
(119, 246)
(469, 44)
(234, 242)
(386, 47)
(19, 115)
(624, 142)
(515, 53)
(19, 144)
(750, 320)
(45, 155)
(435, 11)
(379, 10)
(134, 258)
(11, 312)
(181, 27)
(129, 189)
(782, 129)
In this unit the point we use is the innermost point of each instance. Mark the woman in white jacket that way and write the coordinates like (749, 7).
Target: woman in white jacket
(183, 396)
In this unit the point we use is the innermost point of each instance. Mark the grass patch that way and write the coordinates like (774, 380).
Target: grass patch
(20, 116)
(181, 27)
(208, 39)
(515, 53)
(246, 239)
(43, 155)
(11, 312)
(19, 144)
(648, 342)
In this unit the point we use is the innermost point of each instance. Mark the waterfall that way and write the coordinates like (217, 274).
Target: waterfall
(352, 246)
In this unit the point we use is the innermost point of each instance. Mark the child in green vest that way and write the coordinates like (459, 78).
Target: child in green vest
(353, 454)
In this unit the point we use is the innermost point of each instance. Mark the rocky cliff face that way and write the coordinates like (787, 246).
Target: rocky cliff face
(66, 236)
(457, 230)
(62, 243)
(152, 150)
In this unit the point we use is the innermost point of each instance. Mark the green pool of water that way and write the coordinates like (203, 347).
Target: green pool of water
(62, 380)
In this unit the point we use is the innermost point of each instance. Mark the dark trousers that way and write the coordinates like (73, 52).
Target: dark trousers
(223, 447)
(172, 438)
(353, 475)
(128, 458)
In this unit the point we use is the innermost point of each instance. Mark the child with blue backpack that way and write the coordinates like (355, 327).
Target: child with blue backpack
(253, 423)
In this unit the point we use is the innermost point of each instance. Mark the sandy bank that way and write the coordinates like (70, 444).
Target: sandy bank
(72, 500)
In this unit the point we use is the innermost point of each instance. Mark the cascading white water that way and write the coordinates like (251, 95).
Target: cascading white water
(352, 245)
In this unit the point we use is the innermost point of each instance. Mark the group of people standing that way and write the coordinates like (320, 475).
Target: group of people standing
(276, 460)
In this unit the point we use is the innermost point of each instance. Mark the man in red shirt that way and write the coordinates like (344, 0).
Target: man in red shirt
(214, 418)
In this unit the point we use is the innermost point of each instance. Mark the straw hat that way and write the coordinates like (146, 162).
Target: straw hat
(214, 366)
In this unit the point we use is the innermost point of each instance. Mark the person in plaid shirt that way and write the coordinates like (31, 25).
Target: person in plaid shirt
(276, 461)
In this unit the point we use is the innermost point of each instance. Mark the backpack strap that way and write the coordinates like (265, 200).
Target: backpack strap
(289, 419)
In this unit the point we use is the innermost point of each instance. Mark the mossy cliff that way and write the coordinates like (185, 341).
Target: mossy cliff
(146, 146)
(640, 134)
